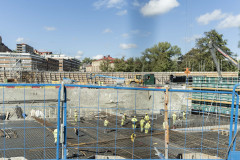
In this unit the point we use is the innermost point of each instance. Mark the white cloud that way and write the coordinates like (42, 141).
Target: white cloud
(99, 56)
(230, 21)
(79, 54)
(50, 28)
(121, 13)
(20, 40)
(109, 3)
(156, 7)
(192, 38)
(127, 46)
(125, 35)
(107, 30)
(208, 17)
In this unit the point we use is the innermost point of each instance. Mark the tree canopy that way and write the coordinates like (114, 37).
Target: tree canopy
(160, 57)
(200, 59)
(164, 57)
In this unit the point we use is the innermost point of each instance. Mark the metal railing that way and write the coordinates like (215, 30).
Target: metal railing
(54, 121)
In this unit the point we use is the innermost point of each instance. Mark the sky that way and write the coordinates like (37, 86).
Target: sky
(96, 28)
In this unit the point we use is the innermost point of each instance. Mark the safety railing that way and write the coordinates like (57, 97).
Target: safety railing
(29, 114)
(103, 122)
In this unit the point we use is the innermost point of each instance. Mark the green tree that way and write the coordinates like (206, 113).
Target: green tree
(130, 65)
(192, 60)
(105, 66)
(159, 57)
(204, 56)
(119, 65)
(86, 60)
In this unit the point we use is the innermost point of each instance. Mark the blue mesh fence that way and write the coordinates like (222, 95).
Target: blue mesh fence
(103, 122)
(28, 119)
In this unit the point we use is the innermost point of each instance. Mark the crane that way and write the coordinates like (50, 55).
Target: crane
(212, 46)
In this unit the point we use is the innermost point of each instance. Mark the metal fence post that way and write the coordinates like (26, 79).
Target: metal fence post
(166, 124)
(63, 121)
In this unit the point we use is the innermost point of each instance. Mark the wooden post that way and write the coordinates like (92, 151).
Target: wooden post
(166, 123)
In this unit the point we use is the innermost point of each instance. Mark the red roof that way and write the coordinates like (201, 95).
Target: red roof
(107, 58)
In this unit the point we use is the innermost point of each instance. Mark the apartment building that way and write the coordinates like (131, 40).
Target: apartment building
(24, 48)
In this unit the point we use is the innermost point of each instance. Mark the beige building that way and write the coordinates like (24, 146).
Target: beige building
(95, 66)
(65, 63)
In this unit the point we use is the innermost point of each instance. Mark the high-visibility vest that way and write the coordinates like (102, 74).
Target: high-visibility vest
(184, 115)
(174, 116)
(146, 118)
(133, 137)
(142, 122)
(106, 123)
(147, 126)
(55, 133)
(134, 120)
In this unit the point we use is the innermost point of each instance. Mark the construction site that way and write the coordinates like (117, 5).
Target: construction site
(118, 115)
(197, 117)
(132, 91)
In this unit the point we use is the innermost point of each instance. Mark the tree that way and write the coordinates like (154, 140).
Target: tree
(204, 56)
(86, 60)
(130, 65)
(105, 66)
(119, 65)
(192, 60)
(159, 57)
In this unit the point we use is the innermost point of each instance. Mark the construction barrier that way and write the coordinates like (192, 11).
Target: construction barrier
(53, 121)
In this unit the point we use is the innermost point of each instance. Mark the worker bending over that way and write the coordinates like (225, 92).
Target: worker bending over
(142, 121)
(147, 127)
(133, 136)
(106, 122)
(134, 121)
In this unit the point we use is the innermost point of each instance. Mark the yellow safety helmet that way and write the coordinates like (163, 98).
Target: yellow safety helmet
(146, 113)
(134, 116)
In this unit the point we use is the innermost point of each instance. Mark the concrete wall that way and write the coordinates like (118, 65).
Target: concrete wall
(90, 101)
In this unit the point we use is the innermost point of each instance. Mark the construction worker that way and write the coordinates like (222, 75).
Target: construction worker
(146, 117)
(184, 115)
(134, 121)
(164, 125)
(133, 136)
(147, 127)
(55, 136)
(174, 117)
(123, 119)
(106, 122)
(142, 121)
(75, 115)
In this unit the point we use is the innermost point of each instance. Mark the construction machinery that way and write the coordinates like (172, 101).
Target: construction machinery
(147, 79)
(136, 80)
(214, 47)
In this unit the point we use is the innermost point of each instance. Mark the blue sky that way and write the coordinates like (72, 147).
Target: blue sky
(92, 28)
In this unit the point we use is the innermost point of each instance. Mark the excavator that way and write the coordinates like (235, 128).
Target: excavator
(213, 47)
